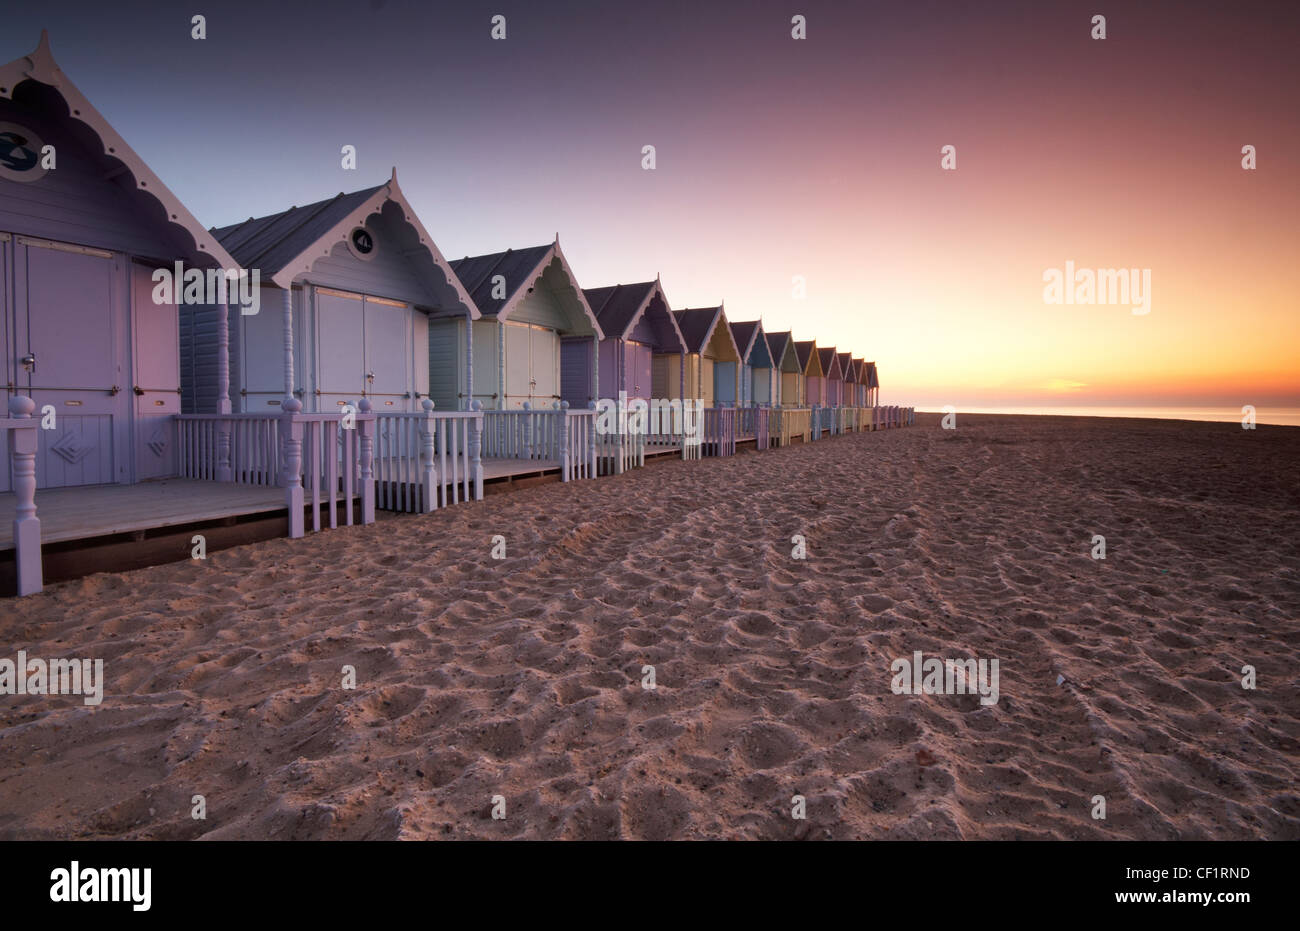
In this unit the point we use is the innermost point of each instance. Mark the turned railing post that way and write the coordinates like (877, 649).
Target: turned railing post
(528, 429)
(475, 448)
(563, 408)
(366, 421)
(428, 466)
(291, 432)
(591, 441)
(224, 473)
(27, 526)
(620, 433)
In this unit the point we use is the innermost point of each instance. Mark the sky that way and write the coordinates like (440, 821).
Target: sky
(778, 158)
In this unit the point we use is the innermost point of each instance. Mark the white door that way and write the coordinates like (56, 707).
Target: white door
(68, 323)
(519, 377)
(340, 349)
(156, 378)
(388, 354)
(544, 358)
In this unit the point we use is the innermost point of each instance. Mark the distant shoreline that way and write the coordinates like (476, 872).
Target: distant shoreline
(1291, 415)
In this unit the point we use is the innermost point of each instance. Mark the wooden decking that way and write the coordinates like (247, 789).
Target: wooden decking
(105, 510)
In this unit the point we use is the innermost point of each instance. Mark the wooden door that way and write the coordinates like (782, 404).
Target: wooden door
(519, 376)
(156, 378)
(340, 349)
(388, 354)
(69, 318)
(544, 356)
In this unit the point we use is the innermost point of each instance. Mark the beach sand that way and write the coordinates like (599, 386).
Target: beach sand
(522, 677)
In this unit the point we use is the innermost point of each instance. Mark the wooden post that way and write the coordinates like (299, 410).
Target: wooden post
(428, 467)
(528, 429)
(366, 422)
(288, 344)
(224, 472)
(591, 441)
(563, 408)
(620, 432)
(682, 379)
(475, 448)
(27, 526)
(469, 363)
(291, 428)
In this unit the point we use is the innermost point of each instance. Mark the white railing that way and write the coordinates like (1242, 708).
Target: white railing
(559, 436)
(323, 461)
(241, 448)
(581, 453)
(427, 459)
(19, 430)
(719, 431)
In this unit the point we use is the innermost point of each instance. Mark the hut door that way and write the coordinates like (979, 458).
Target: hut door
(387, 354)
(519, 375)
(340, 349)
(155, 377)
(639, 381)
(69, 325)
(705, 388)
(544, 353)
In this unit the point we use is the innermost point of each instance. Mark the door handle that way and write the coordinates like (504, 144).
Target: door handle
(29, 362)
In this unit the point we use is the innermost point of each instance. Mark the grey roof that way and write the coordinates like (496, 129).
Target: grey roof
(517, 266)
(803, 350)
(776, 343)
(744, 336)
(615, 306)
(846, 364)
(873, 376)
(697, 325)
(827, 359)
(270, 243)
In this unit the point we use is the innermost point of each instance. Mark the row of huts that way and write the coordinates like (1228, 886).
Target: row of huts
(356, 334)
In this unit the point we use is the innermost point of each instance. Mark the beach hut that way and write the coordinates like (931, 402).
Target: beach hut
(87, 336)
(813, 376)
(364, 282)
(536, 335)
(873, 384)
(832, 376)
(640, 334)
(755, 364)
(859, 383)
(847, 376)
(712, 359)
(787, 375)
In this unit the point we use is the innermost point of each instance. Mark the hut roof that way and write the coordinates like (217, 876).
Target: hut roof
(521, 268)
(37, 75)
(830, 362)
(699, 326)
(285, 245)
(619, 309)
(806, 352)
(780, 345)
(751, 340)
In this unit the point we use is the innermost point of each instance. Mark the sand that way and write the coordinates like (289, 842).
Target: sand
(522, 678)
